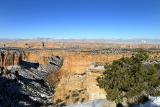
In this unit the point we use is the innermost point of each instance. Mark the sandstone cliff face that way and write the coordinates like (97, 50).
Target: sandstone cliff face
(18, 57)
(10, 57)
(78, 88)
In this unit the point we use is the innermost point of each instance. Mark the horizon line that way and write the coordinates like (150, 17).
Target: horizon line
(79, 38)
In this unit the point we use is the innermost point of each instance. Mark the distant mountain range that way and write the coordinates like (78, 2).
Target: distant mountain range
(118, 41)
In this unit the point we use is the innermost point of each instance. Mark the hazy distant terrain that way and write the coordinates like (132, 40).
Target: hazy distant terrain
(120, 41)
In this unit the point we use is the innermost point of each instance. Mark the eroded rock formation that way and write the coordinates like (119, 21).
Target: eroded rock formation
(10, 57)
(24, 83)
(20, 57)
(78, 88)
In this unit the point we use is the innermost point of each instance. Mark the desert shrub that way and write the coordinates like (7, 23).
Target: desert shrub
(83, 99)
(67, 97)
(76, 100)
(75, 94)
(128, 79)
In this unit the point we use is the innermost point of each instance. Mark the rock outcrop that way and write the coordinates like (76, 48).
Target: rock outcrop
(24, 89)
(10, 57)
(78, 88)
(24, 83)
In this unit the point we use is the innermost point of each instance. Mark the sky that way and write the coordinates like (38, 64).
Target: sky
(80, 19)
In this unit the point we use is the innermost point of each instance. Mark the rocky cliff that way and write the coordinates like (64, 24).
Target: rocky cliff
(24, 83)
(75, 88)
(10, 57)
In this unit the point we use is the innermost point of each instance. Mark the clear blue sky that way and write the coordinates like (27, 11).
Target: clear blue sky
(80, 18)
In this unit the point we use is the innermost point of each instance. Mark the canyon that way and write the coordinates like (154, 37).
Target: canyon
(63, 73)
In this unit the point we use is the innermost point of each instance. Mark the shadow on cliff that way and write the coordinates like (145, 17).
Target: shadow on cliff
(28, 81)
(29, 65)
(11, 94)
